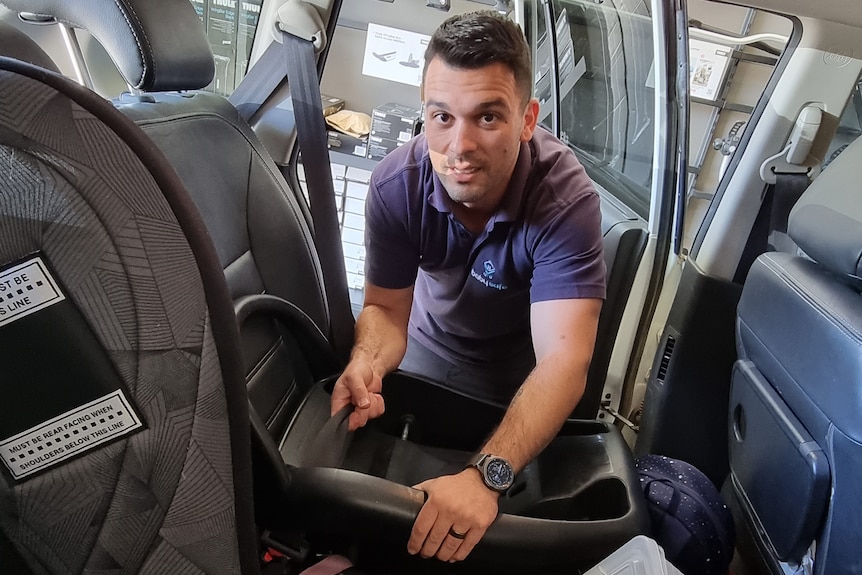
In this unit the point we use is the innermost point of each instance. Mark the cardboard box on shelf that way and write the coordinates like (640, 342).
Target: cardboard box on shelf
(396, 121)
(353, 251)
(330, 104)
(341, 142)
(378, 146)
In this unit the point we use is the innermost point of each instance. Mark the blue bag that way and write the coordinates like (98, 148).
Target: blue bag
(688, 516)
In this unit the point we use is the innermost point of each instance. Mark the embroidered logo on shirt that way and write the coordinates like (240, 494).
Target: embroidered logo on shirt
(489, 269)
(487, 274)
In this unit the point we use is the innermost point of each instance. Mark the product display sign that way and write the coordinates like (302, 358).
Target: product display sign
(393, 54)
(221, 31)
(707, 67)
(249, 14)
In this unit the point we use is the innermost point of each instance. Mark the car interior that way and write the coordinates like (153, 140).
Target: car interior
(193, 285)
(265, 247)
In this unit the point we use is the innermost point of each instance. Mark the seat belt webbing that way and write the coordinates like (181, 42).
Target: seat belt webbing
(770, 227)
(788, 189)
(260, 83)
(296, 62)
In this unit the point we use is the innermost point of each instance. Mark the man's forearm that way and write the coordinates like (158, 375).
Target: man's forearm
(380, 338)
(538, 410)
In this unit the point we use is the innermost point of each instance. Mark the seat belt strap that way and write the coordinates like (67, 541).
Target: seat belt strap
(311, 134)
(788, 189)
(262, 81)
(770, 227)
(297, 63)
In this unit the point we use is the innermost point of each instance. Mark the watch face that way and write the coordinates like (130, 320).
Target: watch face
(499, 473)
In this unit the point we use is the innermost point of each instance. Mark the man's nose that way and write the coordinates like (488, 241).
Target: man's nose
(463, 138)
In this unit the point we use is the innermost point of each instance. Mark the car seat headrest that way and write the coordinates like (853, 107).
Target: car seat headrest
(826, 222)
(156, 44)
(16, 44)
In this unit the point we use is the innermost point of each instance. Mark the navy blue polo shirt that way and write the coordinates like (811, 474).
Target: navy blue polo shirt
(472, 294)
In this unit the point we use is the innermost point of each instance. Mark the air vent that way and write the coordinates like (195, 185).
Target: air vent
(665, 358)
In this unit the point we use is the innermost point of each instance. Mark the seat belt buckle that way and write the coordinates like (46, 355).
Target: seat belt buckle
(286, 544)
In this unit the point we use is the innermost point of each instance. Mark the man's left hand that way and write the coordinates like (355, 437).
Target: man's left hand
(457, 512)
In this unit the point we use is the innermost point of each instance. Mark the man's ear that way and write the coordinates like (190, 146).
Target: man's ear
(531, 118)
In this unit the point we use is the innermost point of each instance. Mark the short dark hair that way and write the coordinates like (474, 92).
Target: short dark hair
(478, 39)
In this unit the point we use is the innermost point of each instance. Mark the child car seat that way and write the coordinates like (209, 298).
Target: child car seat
(123, 430)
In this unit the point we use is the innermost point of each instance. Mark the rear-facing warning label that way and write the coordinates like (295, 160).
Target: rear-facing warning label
(26, 288)
(68, 434)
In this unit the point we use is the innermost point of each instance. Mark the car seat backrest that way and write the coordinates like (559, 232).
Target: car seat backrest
(148, 54)
(795, 401)
(124, 377)
(825, 221)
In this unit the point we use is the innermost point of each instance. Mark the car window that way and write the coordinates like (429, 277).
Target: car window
(601, 77)
(230, 26)
(849, 126)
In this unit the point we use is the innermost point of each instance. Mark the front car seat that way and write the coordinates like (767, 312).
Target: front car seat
(124, 424)
(795, 434)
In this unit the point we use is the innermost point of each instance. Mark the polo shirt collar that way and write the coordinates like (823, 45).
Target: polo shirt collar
(510, 207)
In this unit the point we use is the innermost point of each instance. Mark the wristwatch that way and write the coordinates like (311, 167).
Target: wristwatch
(496, 472)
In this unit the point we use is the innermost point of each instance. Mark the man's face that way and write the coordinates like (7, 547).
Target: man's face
(475, 121)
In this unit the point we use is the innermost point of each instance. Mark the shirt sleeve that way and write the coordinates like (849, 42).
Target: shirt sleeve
(568, 259)
(391, 258)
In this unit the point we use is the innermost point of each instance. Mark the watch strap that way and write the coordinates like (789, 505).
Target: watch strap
(476, 460)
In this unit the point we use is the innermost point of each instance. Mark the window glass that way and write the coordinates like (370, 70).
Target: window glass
(849, 127)
(230, 27)
(603, 82)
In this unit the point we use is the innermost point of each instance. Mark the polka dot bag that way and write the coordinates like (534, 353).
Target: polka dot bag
(688, 517)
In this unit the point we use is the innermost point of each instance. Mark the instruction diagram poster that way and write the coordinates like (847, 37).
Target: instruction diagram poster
(393, 54)
(708, 63)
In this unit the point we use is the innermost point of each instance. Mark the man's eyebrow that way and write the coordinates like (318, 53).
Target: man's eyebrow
(490, 104)
(437, 104)
(496, 103)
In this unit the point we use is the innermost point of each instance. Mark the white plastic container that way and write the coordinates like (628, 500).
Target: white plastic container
(640, 556)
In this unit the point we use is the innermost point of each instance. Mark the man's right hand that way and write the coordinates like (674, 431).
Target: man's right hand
(360, 386)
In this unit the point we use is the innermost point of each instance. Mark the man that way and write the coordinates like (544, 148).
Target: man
(484, 245)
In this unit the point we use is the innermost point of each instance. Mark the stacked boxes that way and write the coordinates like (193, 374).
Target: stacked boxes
(353, 226)
(338, 172)
(392, 125)
(337, 140)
